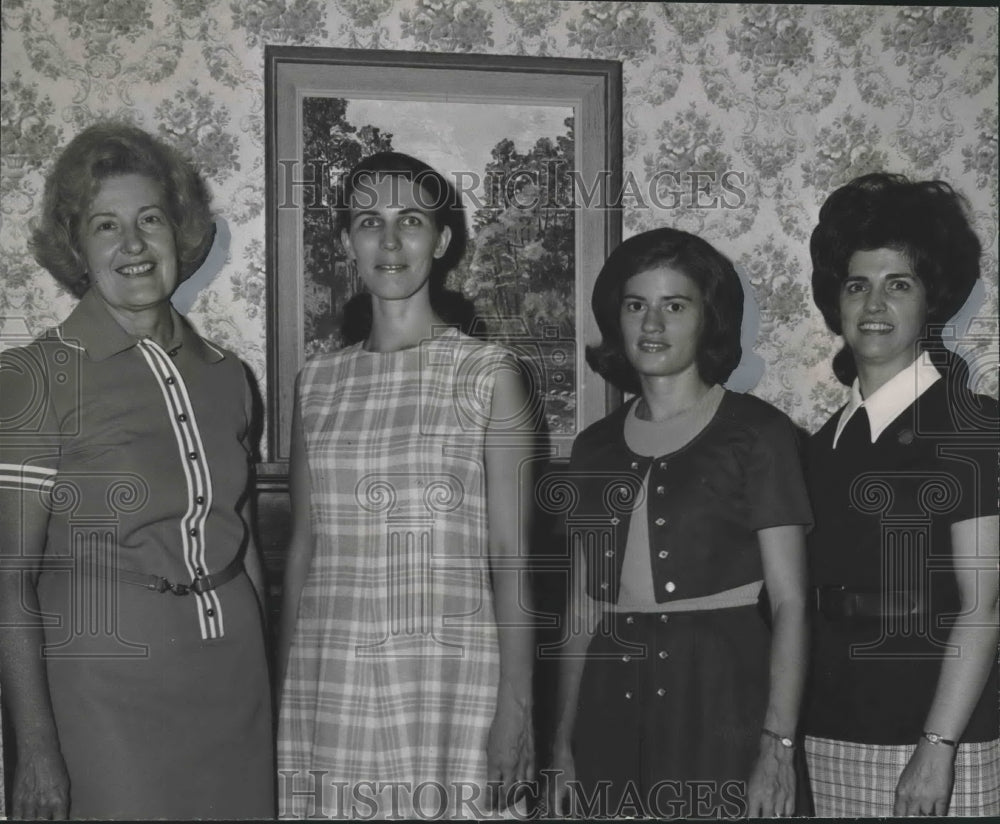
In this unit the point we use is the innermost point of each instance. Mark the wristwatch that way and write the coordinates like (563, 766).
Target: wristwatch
(784, 740)
(934, 738)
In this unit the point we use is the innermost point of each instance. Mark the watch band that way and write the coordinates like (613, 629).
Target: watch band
(934, 738)
(784, 740)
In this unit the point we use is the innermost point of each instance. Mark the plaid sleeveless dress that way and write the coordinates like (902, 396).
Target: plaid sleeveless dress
(394, 666)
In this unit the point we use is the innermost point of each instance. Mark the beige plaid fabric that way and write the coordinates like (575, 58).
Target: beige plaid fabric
(394, 666)
(851, 780)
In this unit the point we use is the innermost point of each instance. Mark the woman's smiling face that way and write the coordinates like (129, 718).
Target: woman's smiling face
(662, 318)
(128, 244)
(393, 236)
(883, 309)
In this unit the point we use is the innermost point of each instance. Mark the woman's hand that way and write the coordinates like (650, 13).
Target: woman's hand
(558, 796)
(510, 750)
(771, 791)
(41, 785)
(925, 784)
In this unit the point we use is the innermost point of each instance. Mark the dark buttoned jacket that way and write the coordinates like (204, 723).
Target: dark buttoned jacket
(706, 501)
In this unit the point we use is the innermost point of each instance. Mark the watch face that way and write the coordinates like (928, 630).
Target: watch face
(787, 742)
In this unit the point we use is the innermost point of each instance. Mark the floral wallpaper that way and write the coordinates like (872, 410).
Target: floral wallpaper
(772, 106)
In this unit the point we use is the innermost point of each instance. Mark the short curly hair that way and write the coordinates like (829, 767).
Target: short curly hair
(110, 149)
(719, 350)
(925, 220)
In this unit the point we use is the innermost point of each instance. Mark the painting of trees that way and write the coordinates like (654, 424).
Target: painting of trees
(519, 267)
(331, 146)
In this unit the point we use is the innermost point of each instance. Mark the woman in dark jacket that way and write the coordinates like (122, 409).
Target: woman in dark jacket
(901, 714)
(690, 499)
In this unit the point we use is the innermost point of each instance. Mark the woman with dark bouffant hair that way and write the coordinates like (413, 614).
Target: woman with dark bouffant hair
(673, 686)
(131, 636)
(405, 650)
(901, 715)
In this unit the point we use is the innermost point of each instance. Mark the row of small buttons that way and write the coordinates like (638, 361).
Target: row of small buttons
(629, 619)
(635, 464)
(669, 586)
(199, 500)
(663, 655)
(660, 692)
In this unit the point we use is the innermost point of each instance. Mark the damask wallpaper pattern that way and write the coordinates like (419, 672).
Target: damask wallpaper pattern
(794, 99)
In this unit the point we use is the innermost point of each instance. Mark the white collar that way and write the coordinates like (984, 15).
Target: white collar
(891, 398)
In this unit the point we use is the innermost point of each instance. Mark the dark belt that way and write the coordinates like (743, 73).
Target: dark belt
(838, 603)
(200, 585)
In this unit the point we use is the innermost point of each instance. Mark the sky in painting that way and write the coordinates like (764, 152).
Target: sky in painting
(454, 136)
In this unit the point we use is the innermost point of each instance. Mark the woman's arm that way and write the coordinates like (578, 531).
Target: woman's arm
(251, 557)
(511, 746)
(581, 623)
(300, 545)
(41, 783)
(771, 791)
(252, 562)
(925, 785)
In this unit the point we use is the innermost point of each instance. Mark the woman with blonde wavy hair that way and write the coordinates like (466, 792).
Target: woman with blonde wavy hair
(131, 635)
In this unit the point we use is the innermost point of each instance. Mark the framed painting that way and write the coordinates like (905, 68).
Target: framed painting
(533, 145)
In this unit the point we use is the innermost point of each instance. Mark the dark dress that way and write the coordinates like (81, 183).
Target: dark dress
(884, 513)
(161, 701)
(671, 704)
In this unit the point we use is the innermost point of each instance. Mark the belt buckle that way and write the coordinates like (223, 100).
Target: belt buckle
(180, 589)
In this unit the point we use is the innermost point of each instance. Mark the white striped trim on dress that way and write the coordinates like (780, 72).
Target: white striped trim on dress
(198, 477)
(21, 476)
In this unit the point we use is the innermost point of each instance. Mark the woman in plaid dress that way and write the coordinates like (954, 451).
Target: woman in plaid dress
(406, 678)
(901, 715)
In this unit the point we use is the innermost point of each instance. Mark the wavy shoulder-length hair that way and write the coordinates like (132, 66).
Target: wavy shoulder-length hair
(719, 350)
(110, 149)
(924, 220)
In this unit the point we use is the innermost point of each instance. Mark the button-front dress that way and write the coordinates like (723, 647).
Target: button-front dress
(161, 702)
(675, 687)
(394, 665)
